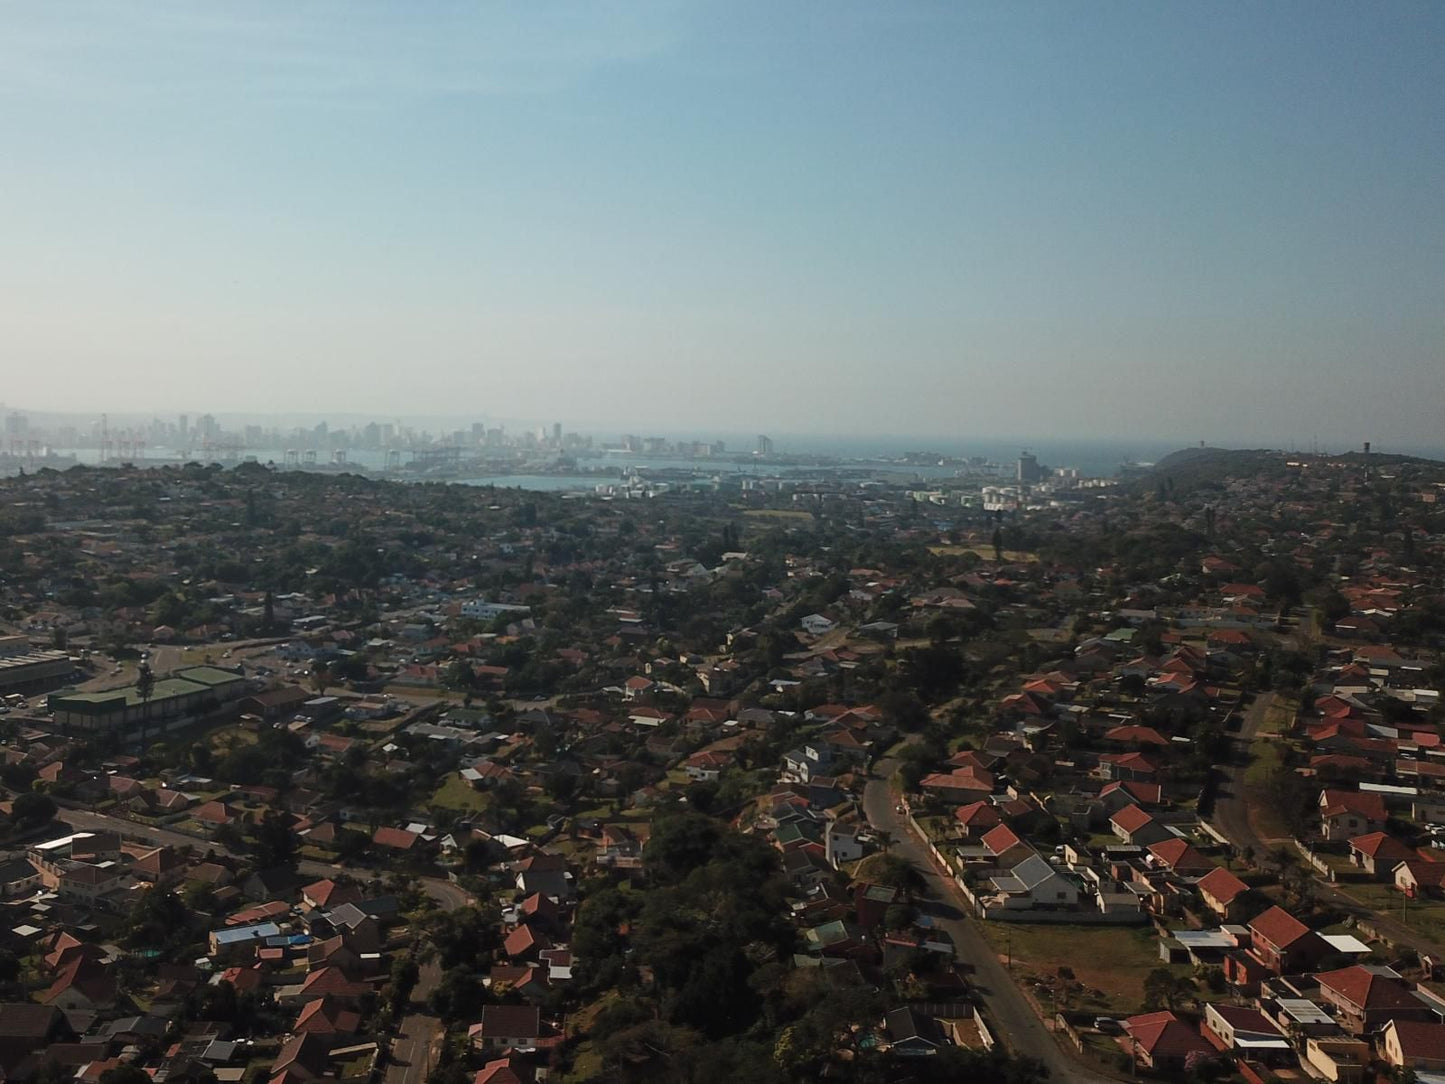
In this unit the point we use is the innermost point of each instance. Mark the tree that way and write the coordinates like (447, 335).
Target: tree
(320, 676)
(404, 975)
(30, 810)
(276, 843)
(157, 920)
(126, 1073)
(1163, 987)
(145, 688)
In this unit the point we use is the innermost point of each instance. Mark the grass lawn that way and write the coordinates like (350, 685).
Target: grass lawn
(985, 552)
(457, 793)
(1279, 716)
(1112, 960)
(1264, 757)
(1426, 917)
(778, 513)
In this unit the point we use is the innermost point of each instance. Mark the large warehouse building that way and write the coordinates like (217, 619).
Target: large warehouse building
(178, 698)
(34, 671)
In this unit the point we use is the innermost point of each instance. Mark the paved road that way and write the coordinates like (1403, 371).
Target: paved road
(1020, 1027)
(413, 1051)
(449, 897)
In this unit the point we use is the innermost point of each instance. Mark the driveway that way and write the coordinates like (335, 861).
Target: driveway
(1018, 1025)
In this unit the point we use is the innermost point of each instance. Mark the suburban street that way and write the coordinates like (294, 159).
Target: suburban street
(1231, 816)
(1231, 805)
(412, 1051)
(1019, 1027)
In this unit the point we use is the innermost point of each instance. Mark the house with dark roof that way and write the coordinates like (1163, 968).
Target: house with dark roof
(506, 1026)
(1412, 1044)
(911, 1033)
(1247, 1032)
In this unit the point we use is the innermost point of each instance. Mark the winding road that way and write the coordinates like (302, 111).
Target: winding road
(1010, 1012)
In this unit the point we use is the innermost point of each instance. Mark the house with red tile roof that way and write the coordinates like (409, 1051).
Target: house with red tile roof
(1378, 853)
(396, 839)
(977, 818)
(960, 785)
(1222, 892)
(1284, 944)
(326, 894)
(327, 1017)
(502, 1071)
(1345, 814)
(1180, 856)
(1366, 997)
(1134, 826)
(1418, 877)
(1164, 1043)
(1004, 845)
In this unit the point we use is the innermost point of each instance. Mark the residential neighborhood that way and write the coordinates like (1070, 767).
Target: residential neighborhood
(314, 776)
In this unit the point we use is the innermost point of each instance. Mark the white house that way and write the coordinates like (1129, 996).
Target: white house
(817, 625)
(481, 610)
(802, 764)
(1035, 883)
(841, 844)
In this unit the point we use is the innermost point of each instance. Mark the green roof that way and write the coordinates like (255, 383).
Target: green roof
(208, 675)
(165, 688)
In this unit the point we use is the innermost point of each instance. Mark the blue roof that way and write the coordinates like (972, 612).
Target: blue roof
(237, 934)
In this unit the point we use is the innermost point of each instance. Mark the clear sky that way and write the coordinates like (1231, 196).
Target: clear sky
(1221, 221)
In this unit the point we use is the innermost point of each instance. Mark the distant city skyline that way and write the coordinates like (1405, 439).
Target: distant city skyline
(259, 431)
(1104, 222)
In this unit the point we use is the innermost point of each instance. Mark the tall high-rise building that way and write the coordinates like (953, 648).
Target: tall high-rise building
(765, 445)
(1029, 469)
(183, 428)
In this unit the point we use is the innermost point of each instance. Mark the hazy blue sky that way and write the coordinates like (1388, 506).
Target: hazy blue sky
(1209, 220)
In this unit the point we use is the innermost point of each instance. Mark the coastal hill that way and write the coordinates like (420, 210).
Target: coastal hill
(1191, 468)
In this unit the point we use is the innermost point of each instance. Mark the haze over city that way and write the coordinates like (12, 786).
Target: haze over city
(1085, 221)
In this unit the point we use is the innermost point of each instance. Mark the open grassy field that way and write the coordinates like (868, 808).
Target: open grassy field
(1279, 716)
(985, 552)
(457, 793)
(782, 514)
(1112, 960)
(1264, 757)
